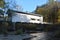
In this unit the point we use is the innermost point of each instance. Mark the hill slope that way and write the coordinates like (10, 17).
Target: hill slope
(51, 12)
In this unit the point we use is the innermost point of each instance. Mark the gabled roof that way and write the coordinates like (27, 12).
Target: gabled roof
(24, 13)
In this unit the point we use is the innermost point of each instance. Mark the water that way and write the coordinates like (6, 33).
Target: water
(37, 36)
(32, 36)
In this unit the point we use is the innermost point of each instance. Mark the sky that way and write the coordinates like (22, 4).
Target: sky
(30, 5)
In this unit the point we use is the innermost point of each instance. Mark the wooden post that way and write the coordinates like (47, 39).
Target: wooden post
(13, 26)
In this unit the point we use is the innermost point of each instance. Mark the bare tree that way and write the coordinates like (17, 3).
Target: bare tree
(11, 4)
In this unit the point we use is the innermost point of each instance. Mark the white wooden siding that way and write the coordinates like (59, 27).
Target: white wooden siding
(20, 17)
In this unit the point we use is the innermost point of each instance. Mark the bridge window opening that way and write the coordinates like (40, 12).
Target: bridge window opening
(38, 19)
(33, 19)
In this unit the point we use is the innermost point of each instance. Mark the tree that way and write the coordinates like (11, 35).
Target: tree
(2, 3)
(11, 4)
(58, 21)
(50, 12)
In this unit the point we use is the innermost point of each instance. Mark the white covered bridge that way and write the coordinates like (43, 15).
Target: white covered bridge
(16, 16)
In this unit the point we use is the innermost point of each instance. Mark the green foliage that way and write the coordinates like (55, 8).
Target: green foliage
(3, 27)
(2, 3)
(19, 32)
